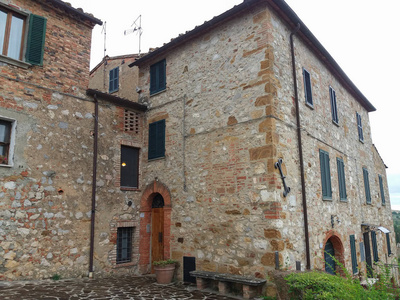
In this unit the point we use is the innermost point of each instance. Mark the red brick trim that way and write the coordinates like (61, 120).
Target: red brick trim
(156, 187)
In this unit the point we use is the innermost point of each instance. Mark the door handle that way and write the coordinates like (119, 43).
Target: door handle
(160, 237)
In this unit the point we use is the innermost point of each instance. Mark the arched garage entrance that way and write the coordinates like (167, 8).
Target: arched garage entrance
(155, 225)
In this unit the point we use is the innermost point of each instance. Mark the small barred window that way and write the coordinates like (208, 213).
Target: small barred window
(131, 121)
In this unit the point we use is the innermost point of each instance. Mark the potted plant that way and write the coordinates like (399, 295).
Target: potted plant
(164, 270)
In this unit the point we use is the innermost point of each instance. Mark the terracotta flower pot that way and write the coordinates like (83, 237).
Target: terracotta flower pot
(164, 273)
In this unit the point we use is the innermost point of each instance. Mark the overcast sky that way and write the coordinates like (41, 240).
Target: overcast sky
(361, 35)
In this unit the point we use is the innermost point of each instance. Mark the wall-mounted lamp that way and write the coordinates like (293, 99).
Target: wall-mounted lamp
(123, 164)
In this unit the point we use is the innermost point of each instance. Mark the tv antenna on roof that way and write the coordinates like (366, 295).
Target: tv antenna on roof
(138, 28)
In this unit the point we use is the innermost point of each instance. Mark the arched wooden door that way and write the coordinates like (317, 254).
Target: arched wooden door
(329, 254)
(157, 229)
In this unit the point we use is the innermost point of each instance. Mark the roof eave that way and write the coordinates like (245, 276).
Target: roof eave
(283, 10)
(75, 11)
(116, 100)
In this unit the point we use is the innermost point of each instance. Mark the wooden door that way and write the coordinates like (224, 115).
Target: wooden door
(157, 235)
(330, 265)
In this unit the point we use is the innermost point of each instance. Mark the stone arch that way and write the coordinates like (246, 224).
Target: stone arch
(336, 241)
(154, 188)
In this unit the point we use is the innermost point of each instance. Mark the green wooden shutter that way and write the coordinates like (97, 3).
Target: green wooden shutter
(381, 188)
(332, 94)
(388, 243)
(36, 38)
(161, 138)
(359, 126)
(157, 139)
(158, 77)
(341, 179)
(152, 140)
(113, 80)
(353, 254)
(366, 186)
(374, 246)
(307, 87)
(325, 175)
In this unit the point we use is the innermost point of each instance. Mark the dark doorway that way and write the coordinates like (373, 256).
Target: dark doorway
(189, 264)
(329, 254)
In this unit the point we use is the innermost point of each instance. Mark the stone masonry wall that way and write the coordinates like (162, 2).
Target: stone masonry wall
(230, 114)
(44, 212)
(221, 147)
(340, 141)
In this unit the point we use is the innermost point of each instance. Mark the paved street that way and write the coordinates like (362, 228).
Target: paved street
(125, 287)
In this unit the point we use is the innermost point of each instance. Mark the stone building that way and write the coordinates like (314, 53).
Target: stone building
(258, 145)
(198, 159)
(46, 145)
(114, 76)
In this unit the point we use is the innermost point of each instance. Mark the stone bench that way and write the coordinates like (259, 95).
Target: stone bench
(251, 286)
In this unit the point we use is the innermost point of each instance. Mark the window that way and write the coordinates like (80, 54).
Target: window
(158, 77)
(360, 129)
(332, 94)
(7, 132)
(382, 190)
(131, 121)
(388, 243)
(157, 139)
(341, 179)
(113, 85)
(374, 246)
(129, 167)
(124, 244)
(366, 186)
(12, 36)
(307, 87)
(325, 175)
(353, 254)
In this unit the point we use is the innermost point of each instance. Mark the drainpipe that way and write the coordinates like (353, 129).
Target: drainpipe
(92, 221)
(303, 185)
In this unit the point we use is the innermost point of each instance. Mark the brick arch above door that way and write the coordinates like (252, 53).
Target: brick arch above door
(156, 187)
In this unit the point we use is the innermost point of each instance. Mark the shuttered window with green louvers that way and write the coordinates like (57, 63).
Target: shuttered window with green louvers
(113, 85)
(353, 254)
(374, 246)
(341, 179)
(325, 175)
(307, 87)
(36, 39)
(366, 186)
(158, 79)
(381, 189)
(157, 139)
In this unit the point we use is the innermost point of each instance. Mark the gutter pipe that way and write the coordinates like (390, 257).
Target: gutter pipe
(303, 185)
(93, 211)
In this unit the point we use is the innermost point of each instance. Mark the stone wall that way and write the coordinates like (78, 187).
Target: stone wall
(230, 114)
(44, 220)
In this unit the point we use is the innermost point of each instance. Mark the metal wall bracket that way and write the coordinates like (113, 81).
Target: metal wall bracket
(278, 165)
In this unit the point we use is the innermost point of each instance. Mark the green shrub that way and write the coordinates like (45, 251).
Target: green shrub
(318, 285)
